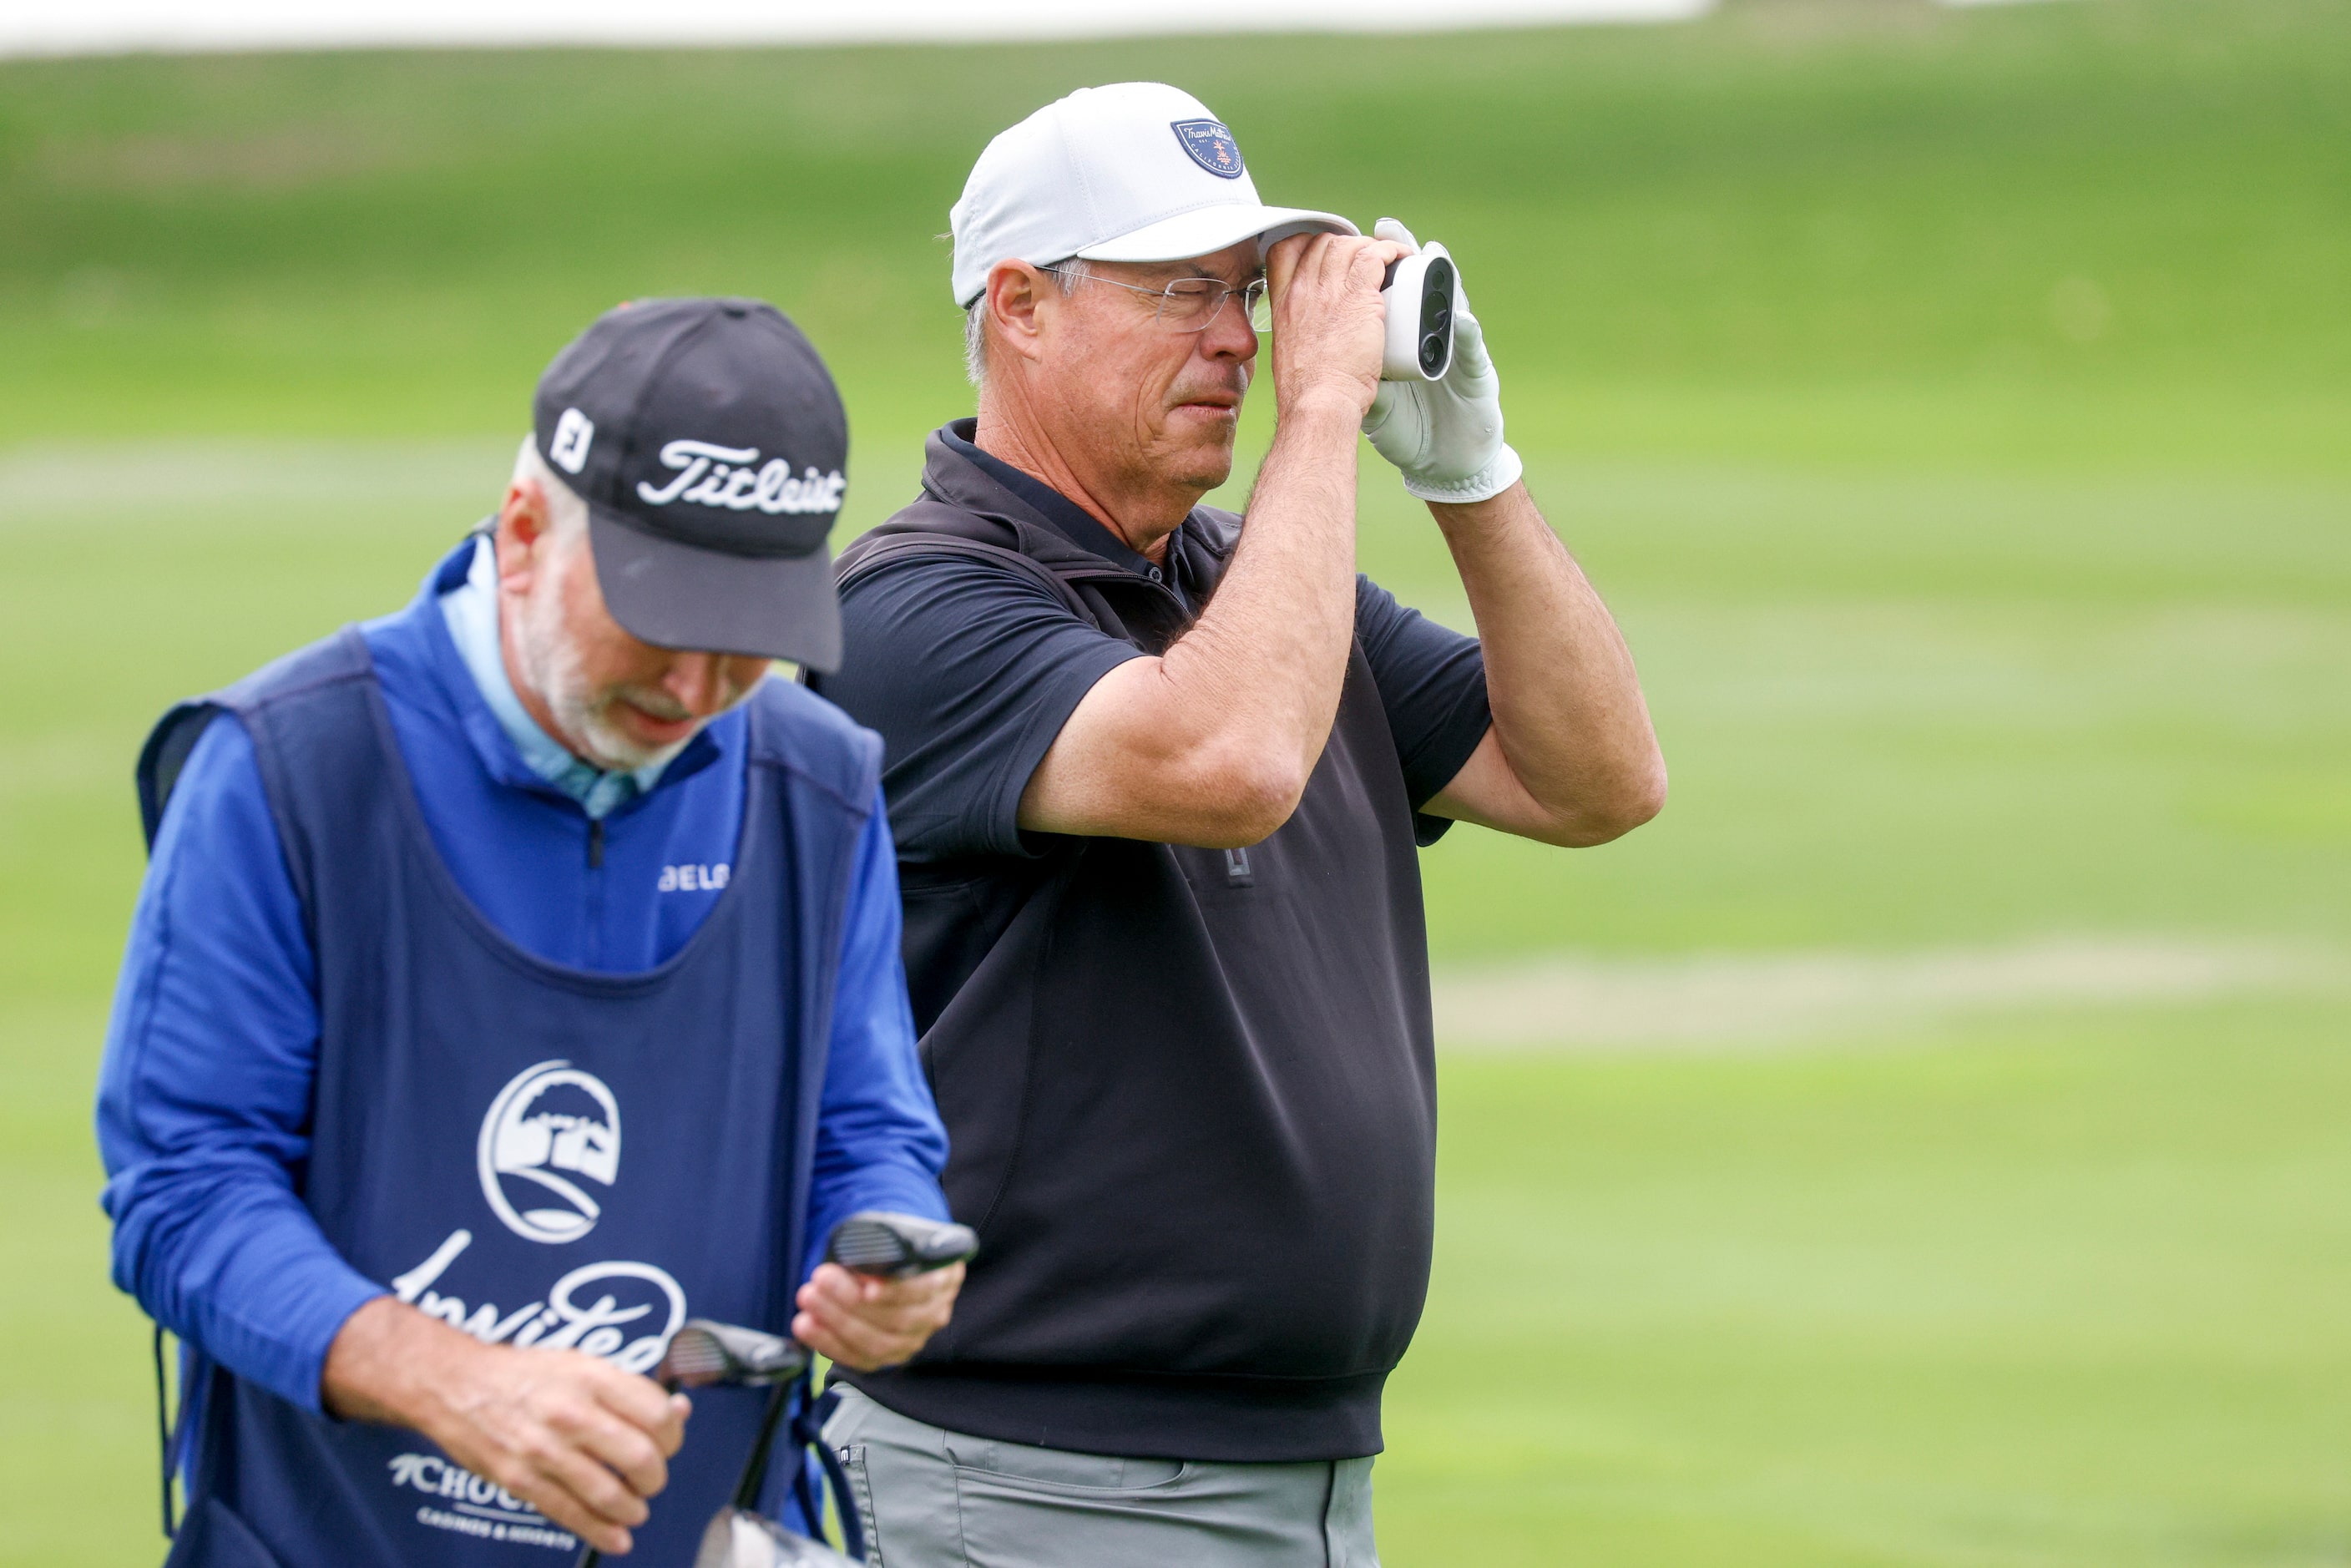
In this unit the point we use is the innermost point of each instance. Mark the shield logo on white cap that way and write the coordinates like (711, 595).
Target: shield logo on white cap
(1212, 147)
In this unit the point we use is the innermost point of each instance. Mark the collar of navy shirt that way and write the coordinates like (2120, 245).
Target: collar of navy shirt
(955, 460)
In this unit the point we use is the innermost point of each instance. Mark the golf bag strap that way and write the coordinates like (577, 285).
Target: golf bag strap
(808, 1431)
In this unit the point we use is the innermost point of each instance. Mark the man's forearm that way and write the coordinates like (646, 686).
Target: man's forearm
(393, 1365)
(216, 1248)
(1212, 742)
(1572, 757)
(1286, 607)
(564, 1431)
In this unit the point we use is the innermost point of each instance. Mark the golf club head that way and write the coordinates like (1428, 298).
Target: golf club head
(898, 1245)
(739, 1538)
(705, 1355)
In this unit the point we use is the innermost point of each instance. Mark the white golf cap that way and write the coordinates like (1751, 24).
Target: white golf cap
(1135, 171)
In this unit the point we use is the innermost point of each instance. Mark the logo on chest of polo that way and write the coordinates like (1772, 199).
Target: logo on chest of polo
(549, 1145)
(692, 879)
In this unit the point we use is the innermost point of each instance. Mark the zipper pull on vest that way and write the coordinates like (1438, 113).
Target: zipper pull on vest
(595, 844)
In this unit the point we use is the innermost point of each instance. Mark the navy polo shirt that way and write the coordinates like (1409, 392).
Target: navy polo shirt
(1190, 1094)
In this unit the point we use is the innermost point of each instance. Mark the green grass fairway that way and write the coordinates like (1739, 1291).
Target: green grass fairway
(1868, 229)
(2065, 1292)
(1951, 404)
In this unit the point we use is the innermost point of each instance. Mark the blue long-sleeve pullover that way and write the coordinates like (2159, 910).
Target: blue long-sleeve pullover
(205, 1090)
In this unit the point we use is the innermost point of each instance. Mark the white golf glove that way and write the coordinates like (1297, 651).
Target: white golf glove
(1446, 436)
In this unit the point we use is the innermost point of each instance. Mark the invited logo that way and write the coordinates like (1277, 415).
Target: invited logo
(551, 1124)
(599, 1309)
(1212, 147)
(569, 450)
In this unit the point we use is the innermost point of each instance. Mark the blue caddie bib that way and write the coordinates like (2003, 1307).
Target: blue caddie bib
(534, 1153)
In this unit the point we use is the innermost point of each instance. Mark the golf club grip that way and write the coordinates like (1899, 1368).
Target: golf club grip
(898, 1245)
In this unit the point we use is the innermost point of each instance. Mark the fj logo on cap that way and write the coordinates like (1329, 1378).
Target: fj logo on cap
(1212, 147)
(569, 450)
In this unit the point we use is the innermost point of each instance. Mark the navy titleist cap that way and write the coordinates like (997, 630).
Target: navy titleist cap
(710, 444)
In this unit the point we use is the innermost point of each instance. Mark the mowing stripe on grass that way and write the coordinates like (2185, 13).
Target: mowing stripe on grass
(1582, 1003)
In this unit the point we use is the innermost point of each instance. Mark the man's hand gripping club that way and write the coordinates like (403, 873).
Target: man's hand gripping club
(887, 1284)
(575, 1436)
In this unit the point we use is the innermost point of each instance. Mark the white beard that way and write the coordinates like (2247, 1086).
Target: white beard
(551, 661)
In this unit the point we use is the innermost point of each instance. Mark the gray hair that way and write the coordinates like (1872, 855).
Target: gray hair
(567, 514)
(1067, 272)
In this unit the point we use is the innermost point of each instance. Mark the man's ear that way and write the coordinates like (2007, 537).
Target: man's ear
(523, 518)
(1018, 296)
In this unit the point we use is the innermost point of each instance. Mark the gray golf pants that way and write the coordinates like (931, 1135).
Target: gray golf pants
(933, 1498)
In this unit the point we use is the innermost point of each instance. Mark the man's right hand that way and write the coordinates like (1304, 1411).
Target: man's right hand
(1330, 329)
(571, 1434)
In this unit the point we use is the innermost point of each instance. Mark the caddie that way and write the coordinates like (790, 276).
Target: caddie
(1159, 775)
(516, 977)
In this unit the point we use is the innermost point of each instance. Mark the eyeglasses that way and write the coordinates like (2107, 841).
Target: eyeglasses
(1191, 304)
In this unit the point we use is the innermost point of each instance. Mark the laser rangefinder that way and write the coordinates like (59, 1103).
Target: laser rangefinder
(1420, 295)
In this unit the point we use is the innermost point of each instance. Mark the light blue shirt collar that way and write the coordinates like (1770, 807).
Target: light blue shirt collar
(471, 609)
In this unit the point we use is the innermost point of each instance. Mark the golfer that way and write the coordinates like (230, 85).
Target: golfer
(1158, 775)
(516, 977)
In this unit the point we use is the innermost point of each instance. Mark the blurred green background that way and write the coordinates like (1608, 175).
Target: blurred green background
(1926, 1143)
